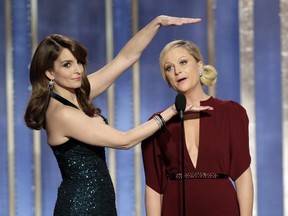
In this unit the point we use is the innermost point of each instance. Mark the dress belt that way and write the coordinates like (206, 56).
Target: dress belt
(197, 175)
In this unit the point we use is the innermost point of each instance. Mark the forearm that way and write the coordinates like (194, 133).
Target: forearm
(129, 54)
(153, 202)
(141, 132)
(137, 44)
(244, 187)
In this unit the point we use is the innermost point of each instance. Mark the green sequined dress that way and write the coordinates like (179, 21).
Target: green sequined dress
(86, 188)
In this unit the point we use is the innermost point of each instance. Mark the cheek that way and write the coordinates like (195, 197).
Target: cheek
(169, 76)
(170, 82)
(82, 68)
(168, 79)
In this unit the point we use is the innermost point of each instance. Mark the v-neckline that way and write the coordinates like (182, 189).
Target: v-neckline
(195, 166)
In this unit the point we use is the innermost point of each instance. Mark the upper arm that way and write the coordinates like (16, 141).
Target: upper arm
(154, 167)
(239, 140)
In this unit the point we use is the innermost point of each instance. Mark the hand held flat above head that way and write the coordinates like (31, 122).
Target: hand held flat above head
(177, 21)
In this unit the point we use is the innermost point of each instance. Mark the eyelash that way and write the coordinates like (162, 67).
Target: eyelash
(183, 61)
(66, 65)
(168, 68)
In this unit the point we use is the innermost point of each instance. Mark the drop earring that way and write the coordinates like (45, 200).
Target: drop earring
(51, 84)
(201, 73)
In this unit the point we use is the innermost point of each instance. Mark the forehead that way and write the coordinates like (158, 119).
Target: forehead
(65, 55)
(175, 53)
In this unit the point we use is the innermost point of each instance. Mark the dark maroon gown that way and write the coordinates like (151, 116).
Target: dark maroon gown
(223, 148)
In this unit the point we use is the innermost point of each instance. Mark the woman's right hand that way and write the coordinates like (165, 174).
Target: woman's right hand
(176, 21)
(192, 108)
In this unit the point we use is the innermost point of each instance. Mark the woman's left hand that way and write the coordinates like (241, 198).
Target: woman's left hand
(196, 108)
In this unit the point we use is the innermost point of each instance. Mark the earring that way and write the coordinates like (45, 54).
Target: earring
(201, 73)
(51, 84)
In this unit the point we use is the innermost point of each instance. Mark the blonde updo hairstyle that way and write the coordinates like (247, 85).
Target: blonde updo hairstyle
(209, 76)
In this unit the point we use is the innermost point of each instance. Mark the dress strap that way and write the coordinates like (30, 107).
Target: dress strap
(62, 100)
(68, 103)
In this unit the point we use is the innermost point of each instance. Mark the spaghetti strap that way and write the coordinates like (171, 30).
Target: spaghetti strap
(62, 100)
(68, 103)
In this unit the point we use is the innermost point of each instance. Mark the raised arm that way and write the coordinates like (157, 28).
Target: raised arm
(131, 52)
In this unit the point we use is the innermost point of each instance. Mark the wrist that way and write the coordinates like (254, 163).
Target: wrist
(169, 113)
(160, 120)
(159, 21)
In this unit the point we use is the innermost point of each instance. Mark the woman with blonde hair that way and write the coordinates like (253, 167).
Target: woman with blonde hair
(216, 146)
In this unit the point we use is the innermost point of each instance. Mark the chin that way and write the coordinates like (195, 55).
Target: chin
(181, 89)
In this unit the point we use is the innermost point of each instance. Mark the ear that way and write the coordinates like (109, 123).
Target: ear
(200, 65)
(49, 74)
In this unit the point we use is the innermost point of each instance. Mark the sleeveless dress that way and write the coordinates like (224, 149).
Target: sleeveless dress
(86, 187)
(222, 157)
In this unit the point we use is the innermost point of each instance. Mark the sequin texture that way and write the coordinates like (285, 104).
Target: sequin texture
(86, 188)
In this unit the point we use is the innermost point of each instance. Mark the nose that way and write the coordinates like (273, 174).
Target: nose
(78, 68)
(176, 70)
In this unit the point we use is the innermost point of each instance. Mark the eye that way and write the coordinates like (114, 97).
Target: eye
(67, 64)
(183, 62)
(168, 68)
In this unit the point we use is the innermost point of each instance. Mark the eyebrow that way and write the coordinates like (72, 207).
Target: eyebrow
(66, 61)
(180, 58)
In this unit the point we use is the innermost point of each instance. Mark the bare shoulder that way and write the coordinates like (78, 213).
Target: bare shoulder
(59, 120)
(65, 122)
(59, 112)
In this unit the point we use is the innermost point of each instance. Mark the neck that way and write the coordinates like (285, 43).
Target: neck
(195, 98)
(67, 94)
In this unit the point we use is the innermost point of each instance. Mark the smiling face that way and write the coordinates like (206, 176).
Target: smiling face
(66, 72)
(181, 70)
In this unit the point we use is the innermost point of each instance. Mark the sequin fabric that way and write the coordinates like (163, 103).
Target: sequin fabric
(86, 188)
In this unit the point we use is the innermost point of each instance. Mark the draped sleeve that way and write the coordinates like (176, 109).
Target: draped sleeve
(239, 140)
(153, 162)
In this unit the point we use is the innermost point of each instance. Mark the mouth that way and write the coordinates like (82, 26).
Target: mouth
(181, 80)
(77, 79)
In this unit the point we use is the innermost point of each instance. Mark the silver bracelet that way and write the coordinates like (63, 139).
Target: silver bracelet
(160, 120)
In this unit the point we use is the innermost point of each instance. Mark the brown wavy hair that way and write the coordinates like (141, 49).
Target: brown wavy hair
(43, 59)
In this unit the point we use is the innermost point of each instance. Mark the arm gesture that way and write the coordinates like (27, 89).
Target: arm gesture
(131, 52)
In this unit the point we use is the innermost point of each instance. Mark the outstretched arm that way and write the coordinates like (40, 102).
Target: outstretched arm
(131, 52)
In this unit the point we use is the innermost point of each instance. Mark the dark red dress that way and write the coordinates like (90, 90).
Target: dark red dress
(223, 148)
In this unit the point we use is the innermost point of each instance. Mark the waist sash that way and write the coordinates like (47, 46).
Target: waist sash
(196, 175)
